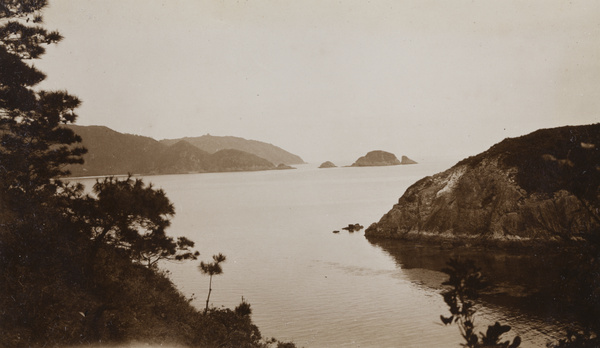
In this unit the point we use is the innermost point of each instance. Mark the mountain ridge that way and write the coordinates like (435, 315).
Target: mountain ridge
(212, 144)
(113, 153)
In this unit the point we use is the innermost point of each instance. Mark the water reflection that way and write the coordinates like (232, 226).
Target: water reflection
(522, 283)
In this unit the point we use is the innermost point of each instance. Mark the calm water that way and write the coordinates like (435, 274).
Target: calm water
(307, 284)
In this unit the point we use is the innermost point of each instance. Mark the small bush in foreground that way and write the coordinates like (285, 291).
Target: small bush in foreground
(466, 282)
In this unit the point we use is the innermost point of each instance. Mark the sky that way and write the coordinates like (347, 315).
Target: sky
(330, 80)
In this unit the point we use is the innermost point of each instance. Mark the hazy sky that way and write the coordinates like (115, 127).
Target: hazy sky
(330, 80)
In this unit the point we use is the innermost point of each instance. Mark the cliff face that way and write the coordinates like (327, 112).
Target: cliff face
(543, 186)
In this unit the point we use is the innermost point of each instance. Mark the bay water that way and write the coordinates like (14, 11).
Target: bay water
(309, 285)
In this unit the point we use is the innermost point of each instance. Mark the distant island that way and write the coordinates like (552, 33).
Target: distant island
(541, 187)
(112, 153)
(381, 158)
(327, 164)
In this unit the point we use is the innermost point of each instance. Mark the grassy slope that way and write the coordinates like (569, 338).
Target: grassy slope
(49, 297)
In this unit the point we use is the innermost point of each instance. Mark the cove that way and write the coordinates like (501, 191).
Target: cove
(314, 287)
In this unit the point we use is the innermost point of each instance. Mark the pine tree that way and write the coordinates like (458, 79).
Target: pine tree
(211, 269)
(34, 147)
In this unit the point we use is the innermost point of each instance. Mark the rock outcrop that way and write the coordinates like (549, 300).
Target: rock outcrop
(327, 164)
(542, 187)
(406, 160)
(377, 158)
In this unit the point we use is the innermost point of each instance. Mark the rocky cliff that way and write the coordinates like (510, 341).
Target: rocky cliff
(542, 186)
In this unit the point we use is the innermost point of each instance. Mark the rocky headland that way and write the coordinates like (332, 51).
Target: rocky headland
(540, 187)
(377, 158)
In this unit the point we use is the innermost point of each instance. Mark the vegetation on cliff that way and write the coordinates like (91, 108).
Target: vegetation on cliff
(551, 160)
(539, 187)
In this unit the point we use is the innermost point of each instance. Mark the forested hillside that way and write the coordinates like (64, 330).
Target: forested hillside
(79, 268)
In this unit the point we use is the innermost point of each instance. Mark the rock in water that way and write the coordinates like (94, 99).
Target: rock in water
(406, 160)
(542, 186)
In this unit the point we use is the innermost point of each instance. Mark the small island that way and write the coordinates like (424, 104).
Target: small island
(284, 166)
(377, 158)
(327, 164)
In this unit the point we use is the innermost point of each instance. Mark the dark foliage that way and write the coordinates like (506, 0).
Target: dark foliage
(466, 282)
(72, 265)
(578, 339)
(243, 309)
(133, 216)
(579, 288)
(553, 159)
(211, 269)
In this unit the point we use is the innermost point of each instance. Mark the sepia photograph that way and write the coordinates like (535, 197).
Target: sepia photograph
(309, 173)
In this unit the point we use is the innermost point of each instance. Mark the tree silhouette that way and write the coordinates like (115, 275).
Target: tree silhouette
(132, 216)
(212, 268)
(49, 228)
(34, 147)
(466, 282)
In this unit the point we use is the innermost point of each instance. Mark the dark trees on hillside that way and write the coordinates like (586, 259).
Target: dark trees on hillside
(130, 215)
(49, 228)
(35, 148)
(33, 145)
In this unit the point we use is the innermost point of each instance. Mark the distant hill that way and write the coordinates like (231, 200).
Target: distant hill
(111, 153)
(212, 144)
